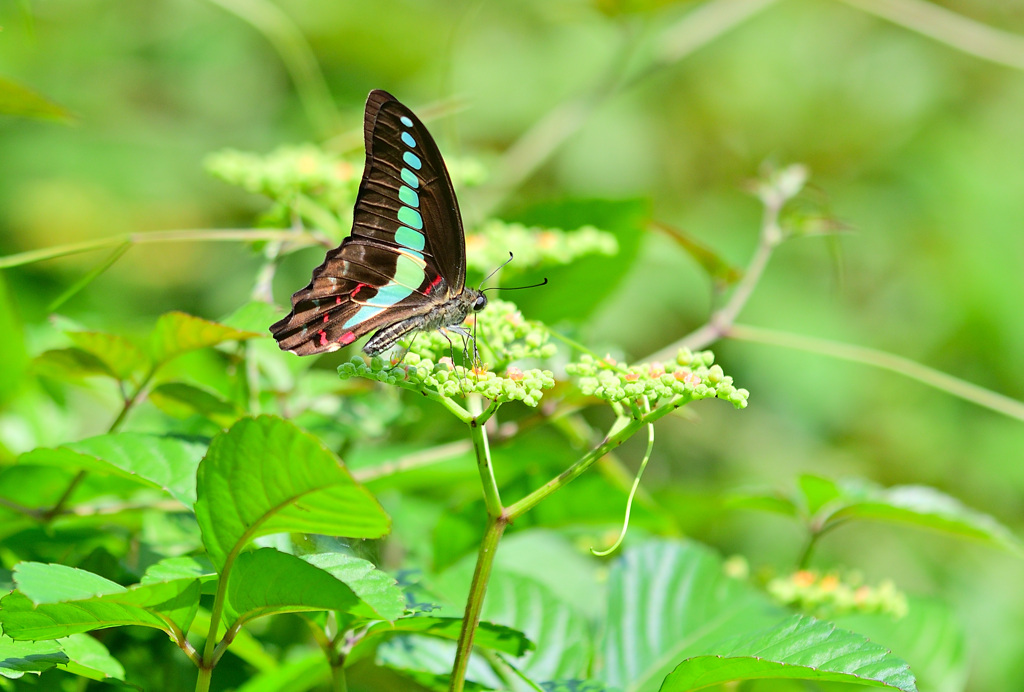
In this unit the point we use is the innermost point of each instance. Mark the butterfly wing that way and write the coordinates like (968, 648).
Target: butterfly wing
(406, 253)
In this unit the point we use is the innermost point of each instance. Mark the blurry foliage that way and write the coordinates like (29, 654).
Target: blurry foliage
(641, 115)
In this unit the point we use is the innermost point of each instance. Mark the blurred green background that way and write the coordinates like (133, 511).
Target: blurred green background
(915, 145)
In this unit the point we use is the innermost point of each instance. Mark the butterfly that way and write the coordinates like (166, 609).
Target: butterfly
(403, 267)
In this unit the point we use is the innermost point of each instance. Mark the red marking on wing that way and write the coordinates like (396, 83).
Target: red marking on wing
(326, 317)
(323, 338)
(347, 338)
(337, 300)
(356, 289)
(432, 286)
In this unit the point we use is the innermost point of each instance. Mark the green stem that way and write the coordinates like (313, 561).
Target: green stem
(184, 236)
(474, 605)
(203, 680)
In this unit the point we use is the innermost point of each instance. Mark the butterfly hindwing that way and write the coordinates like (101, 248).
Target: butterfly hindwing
(406, 253)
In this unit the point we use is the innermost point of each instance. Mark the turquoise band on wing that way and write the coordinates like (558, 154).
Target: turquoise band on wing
(409, 178)
(413, 160)
(406, 121)
(411, 218)
(408, 197)
(407, 138)
(406, 237)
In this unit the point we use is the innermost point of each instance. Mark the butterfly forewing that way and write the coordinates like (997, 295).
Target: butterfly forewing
(406, 252)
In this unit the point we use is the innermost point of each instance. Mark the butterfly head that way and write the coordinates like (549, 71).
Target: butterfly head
(480, 303)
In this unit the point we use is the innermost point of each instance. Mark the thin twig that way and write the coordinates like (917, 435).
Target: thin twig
(951, 28)
(886, 361)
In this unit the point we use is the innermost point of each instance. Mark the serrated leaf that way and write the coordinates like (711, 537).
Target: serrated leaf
(18, 658)
(181, 400)
(121, 356)
(66, 363)
(488, 636)
(20, 101)
(168, 463)
(668, 601)
(22, 620)
(930, 637)
(800, 648)
(266, 476)
(176, 333)
(375, 588)
(921, 506)
(267, 581)
(185, 567)
(90, 659)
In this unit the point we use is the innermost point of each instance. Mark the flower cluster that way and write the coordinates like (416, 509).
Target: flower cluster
(829, 595)
(692, 376)
(289, 171)
(489, 244)
(447, 380)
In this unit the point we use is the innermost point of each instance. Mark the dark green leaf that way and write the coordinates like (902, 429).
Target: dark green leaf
(182, 400)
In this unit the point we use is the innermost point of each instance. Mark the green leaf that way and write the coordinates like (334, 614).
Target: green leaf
(254, 316)
(800, 648)
(90, 659)
(22, 102)
(68, 363)
(488, 636)
(54, 583)
(181, 400)
(921, 506)
(266, 476)
(185, 567)
(120, 356)
(816, 492)
(168, 463)
(668, 601)
(375, 588)
(267, 581)
(18, 658)
(176, 333)
(929, 636)
(23, 620)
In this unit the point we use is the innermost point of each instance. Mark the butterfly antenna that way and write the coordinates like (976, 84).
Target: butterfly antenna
(500, 267)
(516, 288)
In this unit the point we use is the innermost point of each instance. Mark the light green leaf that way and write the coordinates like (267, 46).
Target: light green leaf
(668, 601)
(267, 581)
(120, 356)
(23, 620)
(18, 658)
(90, 659)
(800, 648)
(168, 463)
(176, 333)
(53, 583)
(377, 589)
(921, 506)
(181, 400)
(185, 567)
(20, 101)
(266, 476)
(13, 354)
